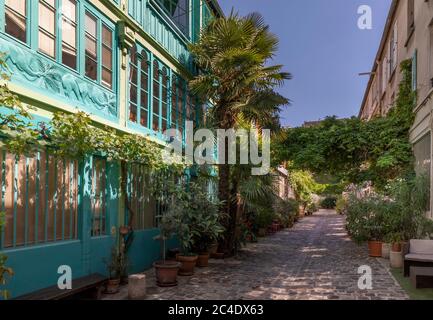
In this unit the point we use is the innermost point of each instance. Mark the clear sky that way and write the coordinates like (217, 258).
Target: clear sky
(323, 48)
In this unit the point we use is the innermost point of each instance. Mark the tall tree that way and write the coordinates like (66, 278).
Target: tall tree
(233, 54)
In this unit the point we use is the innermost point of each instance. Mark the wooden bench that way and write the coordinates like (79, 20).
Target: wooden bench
(421, 277)
(94, 282)
(420, 255)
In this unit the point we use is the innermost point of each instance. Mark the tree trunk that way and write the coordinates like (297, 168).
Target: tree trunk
(224, 197)
(124, 179)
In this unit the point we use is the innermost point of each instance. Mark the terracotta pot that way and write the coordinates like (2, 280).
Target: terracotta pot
(375, 249)
(187, 265)
(203, 260)
(396, 247)
(166, 273)
(386, 248)
(112, 286)
(213, 248)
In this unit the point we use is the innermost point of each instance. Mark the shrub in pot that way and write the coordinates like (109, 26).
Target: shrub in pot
(365, 222)
(166, 270)
(196, 217)
(115, 267)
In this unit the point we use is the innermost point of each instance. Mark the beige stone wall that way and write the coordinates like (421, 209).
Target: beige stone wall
(381, 92)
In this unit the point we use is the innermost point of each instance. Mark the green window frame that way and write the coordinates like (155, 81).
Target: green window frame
(160, 96)
(139, 77)
(179, 13)
(206, 13)
(103, 39)
(16, 15)
(68, 33)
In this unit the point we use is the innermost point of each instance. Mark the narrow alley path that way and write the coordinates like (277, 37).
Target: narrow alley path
(314, 260)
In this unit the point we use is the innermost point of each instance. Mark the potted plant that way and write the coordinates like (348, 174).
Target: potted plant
(166, 270)
(187, 258)
(114, 267)
(365, 222)
(205, 227)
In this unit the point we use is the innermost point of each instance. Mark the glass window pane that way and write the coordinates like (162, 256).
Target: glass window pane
(133, 94)
(18, 6)
(91, 68)
(133, 113)
(155, 124)
(47, 18)
(143, 98)
(107, 36)
(91, 24)
(133, 74)
(133, 55)
(69, 33)
(47, 44)
(143, 117)
(107, 78)
(69, 9)
(107, 58)
(15, 19)
(69, 57)
(91, 48)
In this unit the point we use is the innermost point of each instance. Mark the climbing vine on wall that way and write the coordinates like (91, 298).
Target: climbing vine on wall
(378, 150)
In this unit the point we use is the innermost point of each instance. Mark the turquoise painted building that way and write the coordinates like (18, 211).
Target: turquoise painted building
(124, 62)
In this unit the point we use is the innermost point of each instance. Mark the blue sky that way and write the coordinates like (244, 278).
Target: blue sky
(323, 48)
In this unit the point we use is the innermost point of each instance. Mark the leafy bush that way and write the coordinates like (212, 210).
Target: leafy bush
(193, 216)
(286, 211)
(407, 212)
(329, 202)
(399, 214)
(341, 205)
(365, 218)
(265, 217)
(311, 208)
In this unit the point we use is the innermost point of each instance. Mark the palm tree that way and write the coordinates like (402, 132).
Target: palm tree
(233, 54)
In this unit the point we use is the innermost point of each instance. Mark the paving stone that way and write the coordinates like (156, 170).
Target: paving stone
(314, 260)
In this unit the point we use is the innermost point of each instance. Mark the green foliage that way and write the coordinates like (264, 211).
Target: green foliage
(398, 214)
(117, 264)
(193, 216)
(286, 211)
(366, 218)
(355, 150)
(329, 202)
(4, 271)
(406, 217)
(235, 55)
(15, 118)
(72, 135)
(341, 205)
(304, 185)
(237, 78)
